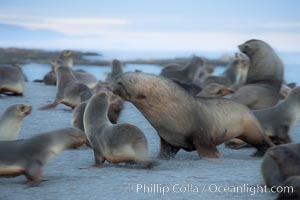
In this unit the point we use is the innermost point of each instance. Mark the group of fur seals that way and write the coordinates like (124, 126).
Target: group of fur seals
(265, 76)
(69, 91)
(234, 75)
(12, 81)
(114, 143)
(11, 120)
(28, 156)
(210, 120)
(278, 120)
(281, 167)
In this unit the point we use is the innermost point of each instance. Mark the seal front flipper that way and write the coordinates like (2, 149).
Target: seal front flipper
(167, 151)
(49, 106)
(33, 173)
(99, 159)
(206, 151)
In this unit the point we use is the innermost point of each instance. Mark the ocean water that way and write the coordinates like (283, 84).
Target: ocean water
(69, 176)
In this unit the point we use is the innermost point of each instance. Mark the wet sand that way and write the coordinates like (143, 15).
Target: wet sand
(70, 175)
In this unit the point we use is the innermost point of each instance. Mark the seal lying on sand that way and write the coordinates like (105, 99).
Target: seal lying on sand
(264, 79)
(114, 143)
(11, 120)
(235, 74)
(183, 121)
(186, 74)
(69, 91)
(272, 170)
(277, 121)
(12, 80)
(27, 157)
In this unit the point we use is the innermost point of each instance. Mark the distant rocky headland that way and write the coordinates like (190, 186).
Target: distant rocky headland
(12, 56)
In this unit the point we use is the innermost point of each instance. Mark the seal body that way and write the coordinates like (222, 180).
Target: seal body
(183, 121)
(12, 80)
(114, 143)
(272, 170)
(69, 91)
(264, 78)
(27, 157)
(11, 120)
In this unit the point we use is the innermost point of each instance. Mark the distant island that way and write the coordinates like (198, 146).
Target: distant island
(16, 56)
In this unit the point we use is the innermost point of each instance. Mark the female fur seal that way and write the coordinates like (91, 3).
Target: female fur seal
(277, 121)
(27, 157)
(11, 120)
(272, 169)
(265, 76)
(69, 91)
(183, 121)
(12, 80)
(114, 143)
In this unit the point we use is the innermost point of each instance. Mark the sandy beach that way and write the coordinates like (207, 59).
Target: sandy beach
(70, 176)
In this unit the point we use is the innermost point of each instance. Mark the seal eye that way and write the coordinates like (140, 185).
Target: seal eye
(22, 108)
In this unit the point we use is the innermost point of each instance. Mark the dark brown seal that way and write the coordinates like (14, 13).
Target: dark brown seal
(27, 157)
(265, 76)
(183, 121)
(114, 143)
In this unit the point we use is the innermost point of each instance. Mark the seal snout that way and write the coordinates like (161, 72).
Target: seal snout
(27, 110)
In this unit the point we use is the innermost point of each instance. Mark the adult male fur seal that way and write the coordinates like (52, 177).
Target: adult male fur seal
(183, 121)
(69, 91)
(265, 76)
(12, 80)
(114, 143)
(27, 157)
(11, 120)
(272, 169)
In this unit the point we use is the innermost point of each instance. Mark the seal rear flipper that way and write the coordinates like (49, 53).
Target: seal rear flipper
(167, 151)
(49, 106)
(209, 153)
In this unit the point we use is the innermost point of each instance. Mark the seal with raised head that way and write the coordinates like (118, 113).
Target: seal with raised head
(272, 171)
(235, 74)
(114, 143)
(68, 90)
(28, 156)
(215, 90)
(11, 120)
(184, 121)
(264, 78)
(116, 71)
(187, 74)
(12, 80)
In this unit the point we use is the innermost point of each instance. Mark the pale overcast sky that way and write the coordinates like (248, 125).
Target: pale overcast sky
(156, 25)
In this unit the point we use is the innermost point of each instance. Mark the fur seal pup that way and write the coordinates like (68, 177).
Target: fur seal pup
(270, 169)
(187, 122)
(11, 119)
(277, 121)
(27, 157)
(12, 80)
(188, 74)
(69, 91)
(234, 76)
(116, 71)
(214, 90)
(265, 76)
(114, 143)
